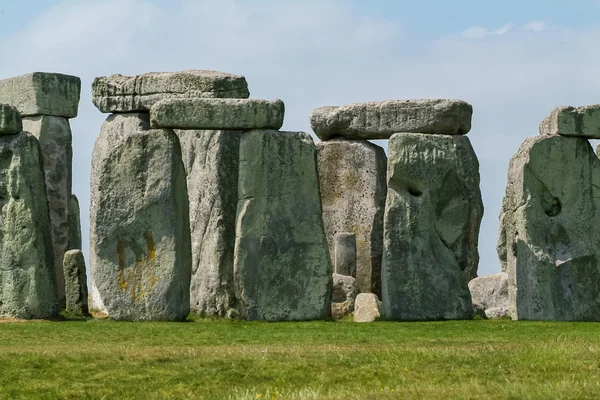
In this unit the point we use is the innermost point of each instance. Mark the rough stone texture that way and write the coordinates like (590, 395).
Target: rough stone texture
(207, 113)
(381, 119)
(491, 292)
(282, 269)
(570, 121)
(479, 310)
(74, 241)
(344, 292)
(353, 189)
(367, 307)
(76, 292)
(344, 248)
(211, 164)
(118, 93)
(54, 135)
(10, 120)
(42, 93)
(431, 226)
(140, 253)
(27, 278)
(548, 242)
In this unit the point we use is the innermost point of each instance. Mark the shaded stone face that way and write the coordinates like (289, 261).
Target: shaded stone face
(54, 135)
(381, 119)
(548, 224)
(491, 292)
(431, 226)
(345, 290)
(353, 189)
(211, 164)
(27, 276)
(140, 253)
(10, 120)
(207, 113)
(570, 121)
(118, 93)
(42, 93)
(74, 241)
(76, 292)
(282, 267)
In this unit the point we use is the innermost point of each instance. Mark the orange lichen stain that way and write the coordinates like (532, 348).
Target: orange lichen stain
(136, 277)
(150, 245)
(121, 253)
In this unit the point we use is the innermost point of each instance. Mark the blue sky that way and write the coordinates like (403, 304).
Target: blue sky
(514, 61)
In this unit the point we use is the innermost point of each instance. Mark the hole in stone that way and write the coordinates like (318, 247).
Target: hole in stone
(414, 192)
(552, 208)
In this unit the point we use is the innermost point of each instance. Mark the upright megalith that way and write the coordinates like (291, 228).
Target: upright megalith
(46, 101)
(27, 275)
(74, 219)
(548, 242)
(282, 267)
(353, 190)
(140, 254)
(211, 164)
(431, 225)
(76, 292)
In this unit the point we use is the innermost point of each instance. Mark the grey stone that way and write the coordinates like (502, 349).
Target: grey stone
(207, 113)
(282, 269)
(344, 248)
(548, 243)
(27, 277)
(367, 307)
(479, 310)
(10, 120)
(211, 164)
(42, 93)
(140, 255)
(74, 241)
(491, 292)
(344, 292)
(353, 189)
(431, 226)
(118, 93)
(54, 135)
(497, 313)
(570, 121)
(381, 119)
(76, 292)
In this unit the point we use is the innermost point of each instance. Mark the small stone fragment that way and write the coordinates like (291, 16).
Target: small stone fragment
(345, 290)
(381, 119)
(570, 121)
(118, 93)
(10, 120)
(76, 292)
(225, 114)
(491, 292)
(42, 93)
(367, 307)
(74, 241)
(345, 253)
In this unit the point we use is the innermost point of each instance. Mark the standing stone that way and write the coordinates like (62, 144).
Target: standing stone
(74, 241)
(282, 269)
(548, 242)
(353, 190)
(431, 226)
(27, 278)
(367, 308)
(75, 283)
(344, 248)
(570, 121)
(140, 253)
(491, 292)
(54, 135)
(345, 290)
(211, 164)
(10, 120)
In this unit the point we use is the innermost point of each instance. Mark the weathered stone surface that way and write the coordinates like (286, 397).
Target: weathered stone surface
(381, 119)
(140, 255)
(74, 241)
(207, 113)
(10, 120)
(548, 242)
(345, 290)
(353, 189)
(27, 278)
(118, 93)
(211, 164)
(76, 292)
(431, 226)
(367, 307)
(282, 269)
(42, 93)
(491, 292)
(479, 310)
(570, 121)
(54, 135)
(344, 249)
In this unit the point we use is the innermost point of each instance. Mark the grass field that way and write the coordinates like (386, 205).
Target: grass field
(324, 360)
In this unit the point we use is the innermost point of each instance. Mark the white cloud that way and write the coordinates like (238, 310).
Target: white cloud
(503, 29)
(536, 26)
(475, 32)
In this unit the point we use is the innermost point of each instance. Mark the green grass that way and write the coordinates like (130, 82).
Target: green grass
(235, 359)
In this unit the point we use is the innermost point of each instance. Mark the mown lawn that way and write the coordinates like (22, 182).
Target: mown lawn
(324, 360)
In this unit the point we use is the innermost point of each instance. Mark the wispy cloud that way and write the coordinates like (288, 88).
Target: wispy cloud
(536, 26)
